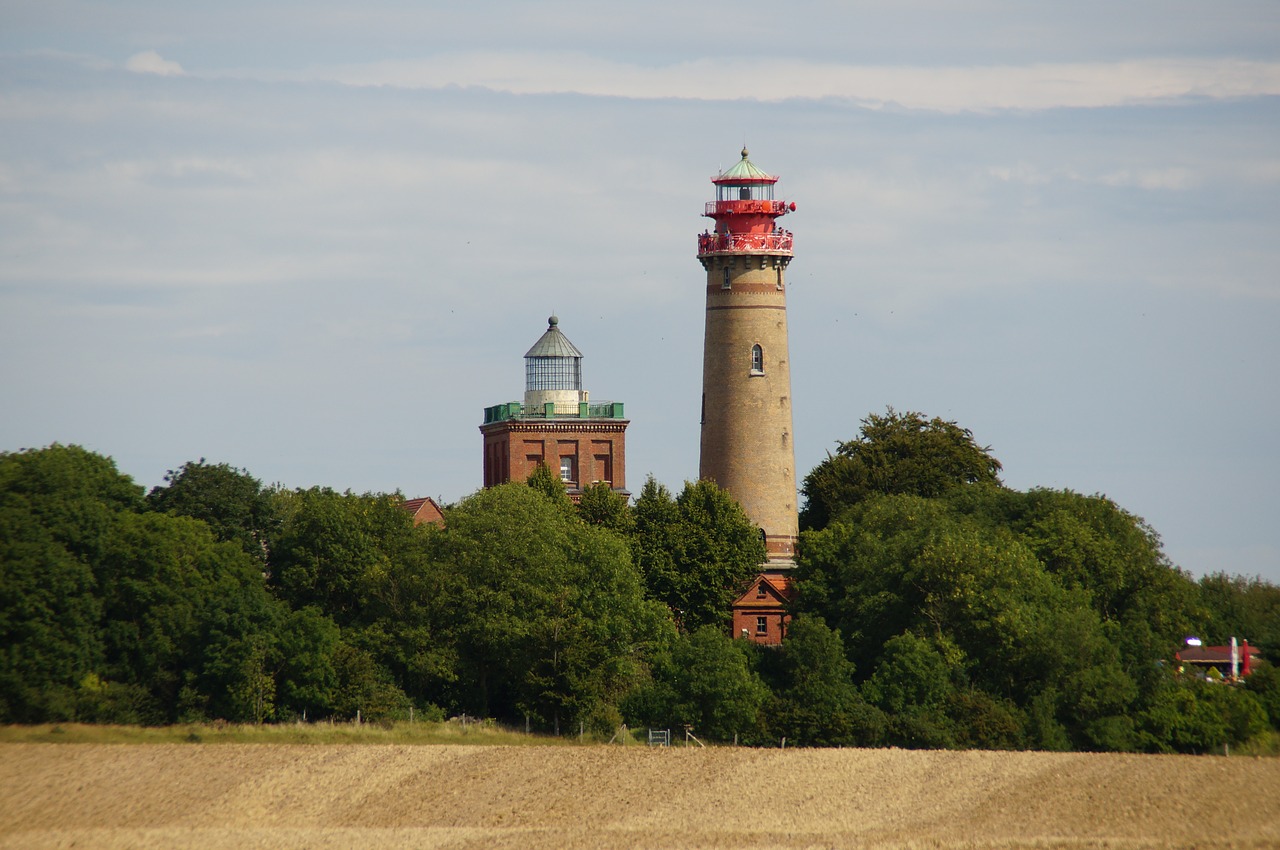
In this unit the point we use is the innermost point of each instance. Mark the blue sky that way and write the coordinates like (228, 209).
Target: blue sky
(314, 240)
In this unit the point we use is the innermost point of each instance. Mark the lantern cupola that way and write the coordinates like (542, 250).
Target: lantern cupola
(745, 213)
(553, 371)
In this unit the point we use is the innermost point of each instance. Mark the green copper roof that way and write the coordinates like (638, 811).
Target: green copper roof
(745, 170)
(553, 343)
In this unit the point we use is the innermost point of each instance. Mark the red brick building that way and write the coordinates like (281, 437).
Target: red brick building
(760, 613)
(556, 424)
(424, 510)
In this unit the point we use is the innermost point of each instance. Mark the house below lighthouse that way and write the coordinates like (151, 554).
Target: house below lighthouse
(556, 424)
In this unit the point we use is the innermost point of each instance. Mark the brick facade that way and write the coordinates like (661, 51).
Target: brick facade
(746, 443)
(760, 613)
(594, 450)
(424, 510)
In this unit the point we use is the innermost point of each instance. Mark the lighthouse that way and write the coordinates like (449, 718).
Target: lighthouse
(746, 445)
(557, 425)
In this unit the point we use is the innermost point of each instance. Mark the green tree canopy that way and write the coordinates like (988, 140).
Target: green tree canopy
(895, 454)
(696, 551)
(331, 547)
(1245, 608)
(816, 702)
(601, 506)
(58, 510)
(546, 613)
(231, 501)
(704, 681)
(112, 613)
(989, 609)
(549, 484)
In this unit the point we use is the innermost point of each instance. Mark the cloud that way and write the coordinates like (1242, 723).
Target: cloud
(1165, 178)
(943, 89)
(1153, 179)
(150, 62)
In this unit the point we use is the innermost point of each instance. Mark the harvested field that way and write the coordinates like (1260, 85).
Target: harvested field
(359, 796)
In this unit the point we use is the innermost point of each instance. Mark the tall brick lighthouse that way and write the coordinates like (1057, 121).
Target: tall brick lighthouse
(746, 371)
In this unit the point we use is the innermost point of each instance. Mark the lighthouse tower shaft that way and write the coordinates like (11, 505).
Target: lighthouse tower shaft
(746, 369)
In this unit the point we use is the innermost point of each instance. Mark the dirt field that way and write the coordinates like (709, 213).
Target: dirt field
(236, 796)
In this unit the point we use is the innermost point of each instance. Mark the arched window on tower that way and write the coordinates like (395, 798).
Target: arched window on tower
(757, 360)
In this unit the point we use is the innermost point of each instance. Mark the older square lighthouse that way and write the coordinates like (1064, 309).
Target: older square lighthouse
(556, 425)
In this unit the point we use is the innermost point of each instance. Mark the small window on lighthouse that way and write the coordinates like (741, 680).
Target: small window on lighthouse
(757, 360)
(724, 284)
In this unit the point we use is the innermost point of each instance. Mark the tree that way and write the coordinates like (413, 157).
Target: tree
(816, 702)
(549, 484)
(1247, 608)
(58, 508)
(981, 601)
(705, 682)
(601, 506)
(70, 491)
(545, 613)
(112, 613)
(1189, 715)
(177, 604)
(233, 503)
(912, 684)
(306, 676)
(655, 546)
(696, 552)
(333, 546)
(49, 615)
(895, 454)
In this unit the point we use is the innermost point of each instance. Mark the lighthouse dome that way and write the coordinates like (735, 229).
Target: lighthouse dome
(553, 371)
(745, 171)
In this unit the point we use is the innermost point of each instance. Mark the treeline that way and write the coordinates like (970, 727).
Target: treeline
(936, 607)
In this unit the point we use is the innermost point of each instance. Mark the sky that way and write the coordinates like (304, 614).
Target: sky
(314, 240)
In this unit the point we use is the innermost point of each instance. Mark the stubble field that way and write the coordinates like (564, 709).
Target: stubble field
(395, 796)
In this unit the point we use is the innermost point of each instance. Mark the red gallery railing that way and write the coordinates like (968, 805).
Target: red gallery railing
(716, 243)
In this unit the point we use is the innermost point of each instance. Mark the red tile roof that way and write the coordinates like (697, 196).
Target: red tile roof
(1214, 654)
(424, 510)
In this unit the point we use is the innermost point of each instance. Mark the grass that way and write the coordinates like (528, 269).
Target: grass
(484, 733)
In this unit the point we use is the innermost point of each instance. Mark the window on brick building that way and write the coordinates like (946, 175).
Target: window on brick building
(724, 282)
(566, 470)
(762, 625)
(757, 360)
